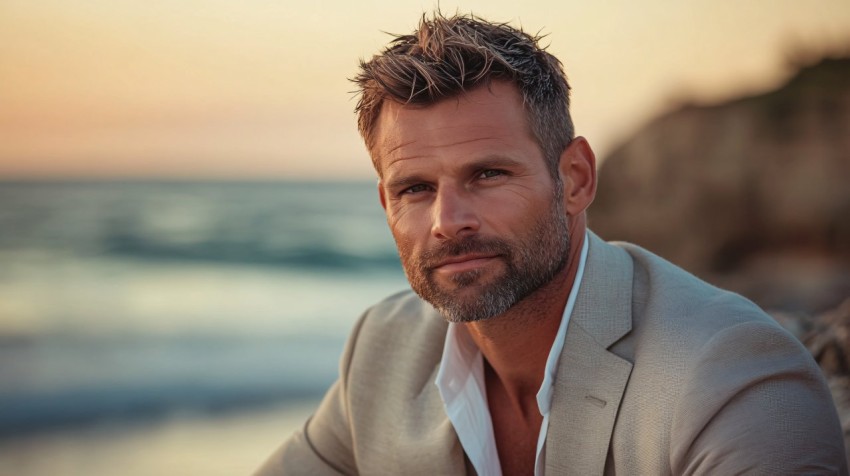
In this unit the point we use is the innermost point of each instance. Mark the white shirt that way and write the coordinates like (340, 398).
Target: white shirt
(460, 381)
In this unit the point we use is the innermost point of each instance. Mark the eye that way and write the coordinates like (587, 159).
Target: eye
(418, 188)
(490, 173)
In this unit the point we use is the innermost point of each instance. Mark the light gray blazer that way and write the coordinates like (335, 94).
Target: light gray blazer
(660, 374)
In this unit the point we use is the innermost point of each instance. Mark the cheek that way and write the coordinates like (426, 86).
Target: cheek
(404, 236)
(501, 217)
(408, 252)
(409, 225)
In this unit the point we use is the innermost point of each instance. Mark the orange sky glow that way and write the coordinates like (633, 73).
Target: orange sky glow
(258, 89)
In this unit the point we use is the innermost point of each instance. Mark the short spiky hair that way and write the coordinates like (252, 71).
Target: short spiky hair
(446, 56)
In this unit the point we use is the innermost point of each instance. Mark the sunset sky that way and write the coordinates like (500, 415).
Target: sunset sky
(258, 89)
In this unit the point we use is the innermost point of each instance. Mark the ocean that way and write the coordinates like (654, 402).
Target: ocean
(142, 308)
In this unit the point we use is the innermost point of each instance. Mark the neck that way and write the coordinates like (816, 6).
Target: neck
(516, 344)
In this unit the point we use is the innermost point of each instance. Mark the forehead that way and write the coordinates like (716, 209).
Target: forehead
(486, 117)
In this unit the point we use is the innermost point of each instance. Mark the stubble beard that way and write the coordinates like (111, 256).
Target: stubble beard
(530, 262)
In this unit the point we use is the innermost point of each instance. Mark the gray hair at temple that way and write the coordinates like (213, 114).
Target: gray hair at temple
(446, 56)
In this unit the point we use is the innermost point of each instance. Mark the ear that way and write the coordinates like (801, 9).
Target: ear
(381, 195)
(578, 172)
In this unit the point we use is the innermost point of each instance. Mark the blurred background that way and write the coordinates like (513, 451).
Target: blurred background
(189, 224)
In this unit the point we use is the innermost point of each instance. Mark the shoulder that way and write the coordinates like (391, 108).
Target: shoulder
(661, 307)
(691, 322)
(400, 336)
(682, 325)
(666, 295)
(387, 374)
(401, 319)
(383, 415)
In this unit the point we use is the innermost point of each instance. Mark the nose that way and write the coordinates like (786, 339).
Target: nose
(454, 214)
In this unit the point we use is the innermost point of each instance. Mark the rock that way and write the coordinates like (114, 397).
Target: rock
(756, 187)
(827, 336)
(829, 340)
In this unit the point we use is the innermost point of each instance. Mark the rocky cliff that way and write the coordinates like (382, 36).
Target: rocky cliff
(752, 194)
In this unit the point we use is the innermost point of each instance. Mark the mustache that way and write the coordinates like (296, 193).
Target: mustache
(429, 259)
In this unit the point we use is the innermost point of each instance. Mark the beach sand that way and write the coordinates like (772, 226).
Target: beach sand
(224, 444)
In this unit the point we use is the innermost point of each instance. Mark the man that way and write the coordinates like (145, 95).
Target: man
(533, 347)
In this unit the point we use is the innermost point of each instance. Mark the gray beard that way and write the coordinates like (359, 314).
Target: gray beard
(531, 261)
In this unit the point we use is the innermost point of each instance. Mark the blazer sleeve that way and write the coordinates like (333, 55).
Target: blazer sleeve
(756, 403)
(323, 446)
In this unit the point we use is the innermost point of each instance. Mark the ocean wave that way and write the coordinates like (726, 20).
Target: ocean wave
(322, 225)
(303, 255)
(55, 382)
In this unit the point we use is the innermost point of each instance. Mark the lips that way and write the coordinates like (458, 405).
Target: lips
(468, 262)
(457, 256)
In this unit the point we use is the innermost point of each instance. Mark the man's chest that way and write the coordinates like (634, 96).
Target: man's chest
(515, 431)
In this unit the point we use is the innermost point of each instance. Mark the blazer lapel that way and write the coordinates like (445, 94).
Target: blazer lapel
(590, 380)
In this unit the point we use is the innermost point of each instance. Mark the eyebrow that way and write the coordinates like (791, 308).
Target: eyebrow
(491, 161)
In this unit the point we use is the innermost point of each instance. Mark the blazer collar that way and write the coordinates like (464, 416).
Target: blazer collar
(590, 380)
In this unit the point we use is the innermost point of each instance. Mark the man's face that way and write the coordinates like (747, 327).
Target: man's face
(477, 219)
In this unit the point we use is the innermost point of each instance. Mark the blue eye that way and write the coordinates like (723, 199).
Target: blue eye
(490, 173)
(415, 189)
